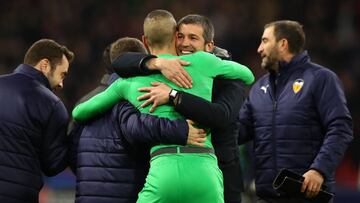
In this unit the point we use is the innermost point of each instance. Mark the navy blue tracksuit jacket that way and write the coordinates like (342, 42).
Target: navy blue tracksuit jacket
(33, 141)
(298, 120)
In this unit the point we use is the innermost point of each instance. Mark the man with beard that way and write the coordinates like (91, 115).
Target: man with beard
(296, 115)
(33, 122)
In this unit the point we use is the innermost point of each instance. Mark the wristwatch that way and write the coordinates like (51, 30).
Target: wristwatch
(172, 95)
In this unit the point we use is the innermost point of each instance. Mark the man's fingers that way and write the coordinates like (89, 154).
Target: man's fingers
(177, 81)
(200, 134)
(184, 63)
(154, 84)
(190, 122)
(185, 81)
(199, 144)
(202, 131)
(153, 107)
(312, 190)
(144, 89)
(146, 103)
(187, 78)
(315, 190)
(201, 139)
(304, 185)
(144, 96)
(181, 79)
(312, 183)
(310, 193)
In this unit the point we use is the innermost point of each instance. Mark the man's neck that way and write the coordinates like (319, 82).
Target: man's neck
(164, 50)
(287, 57)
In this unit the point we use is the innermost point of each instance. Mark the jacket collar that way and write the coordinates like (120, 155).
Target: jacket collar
(33, 73)
(295, 62)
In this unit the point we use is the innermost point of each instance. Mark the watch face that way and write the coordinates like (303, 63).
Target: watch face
(173, 93)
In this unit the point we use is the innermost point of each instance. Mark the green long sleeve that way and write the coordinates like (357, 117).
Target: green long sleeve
(100, 103)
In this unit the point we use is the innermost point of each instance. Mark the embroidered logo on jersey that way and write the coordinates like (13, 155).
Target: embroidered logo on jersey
(298, 85)
(264, 88)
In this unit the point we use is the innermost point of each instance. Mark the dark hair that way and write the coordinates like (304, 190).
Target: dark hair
(125, 44)
(200, 20)
(292, 31)
(159, 28)
(47, 49)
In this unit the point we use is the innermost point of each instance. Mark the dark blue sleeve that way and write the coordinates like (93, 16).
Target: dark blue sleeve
(132, 64)
(55, 143)
(336, 121)
(228, 97)
(74, 133)
(246, 131)
(141, 129)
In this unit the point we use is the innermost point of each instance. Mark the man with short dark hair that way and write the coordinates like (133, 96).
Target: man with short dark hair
(296, 116)
(33, 122)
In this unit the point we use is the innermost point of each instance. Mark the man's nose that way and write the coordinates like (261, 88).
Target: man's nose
(260, 49)
(186, 41)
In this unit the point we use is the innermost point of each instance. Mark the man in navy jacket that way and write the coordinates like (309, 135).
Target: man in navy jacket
(33, 122)
(110, 154)
(296, 115)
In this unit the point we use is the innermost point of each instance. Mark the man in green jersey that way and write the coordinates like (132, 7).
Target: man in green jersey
(177, 173)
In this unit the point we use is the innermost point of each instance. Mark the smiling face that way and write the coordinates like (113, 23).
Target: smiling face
(190, 39)
(269, 50)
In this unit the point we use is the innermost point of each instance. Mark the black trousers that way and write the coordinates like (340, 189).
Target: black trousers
(233, 180)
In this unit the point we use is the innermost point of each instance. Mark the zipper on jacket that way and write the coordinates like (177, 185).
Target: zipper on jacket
(274, 134)
(274, 124)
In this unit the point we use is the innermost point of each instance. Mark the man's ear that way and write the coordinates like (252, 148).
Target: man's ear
(284, 45)
(145, 42)
(209, 47)
(43, 65)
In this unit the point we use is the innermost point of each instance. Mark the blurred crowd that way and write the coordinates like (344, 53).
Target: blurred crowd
(88, 26)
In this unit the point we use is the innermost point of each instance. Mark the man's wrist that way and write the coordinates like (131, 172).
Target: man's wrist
(146, 62)
(173, 96)
(154, 64)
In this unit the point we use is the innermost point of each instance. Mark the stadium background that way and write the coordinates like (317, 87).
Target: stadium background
(87, 26)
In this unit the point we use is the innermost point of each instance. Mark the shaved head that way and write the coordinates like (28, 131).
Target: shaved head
(159, 28)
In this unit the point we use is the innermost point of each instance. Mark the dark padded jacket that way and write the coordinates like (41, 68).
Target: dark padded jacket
(298, 120)
(33, 139)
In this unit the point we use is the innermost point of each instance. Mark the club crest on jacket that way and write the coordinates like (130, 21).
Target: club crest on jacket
(297, 85)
